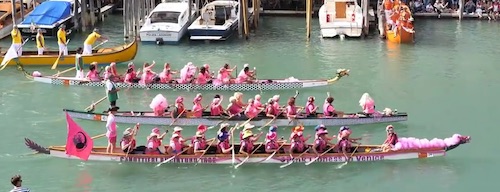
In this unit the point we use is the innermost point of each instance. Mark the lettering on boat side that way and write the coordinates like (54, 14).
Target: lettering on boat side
(207, 160)
(333, 158)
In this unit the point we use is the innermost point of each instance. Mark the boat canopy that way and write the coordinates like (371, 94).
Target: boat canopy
(48, 13)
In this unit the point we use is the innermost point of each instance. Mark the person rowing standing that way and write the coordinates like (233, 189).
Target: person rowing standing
(61, 40)
(91, 39)
(79, 63)
(17, 40)
(367, 104)
(40, 42)
(111, 129)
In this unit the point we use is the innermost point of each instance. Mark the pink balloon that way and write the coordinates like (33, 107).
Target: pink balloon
(417, 143)
(405, 145)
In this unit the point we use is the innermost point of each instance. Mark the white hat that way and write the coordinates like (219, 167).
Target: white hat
(175, 135)
(246, 65)
(152, 135)
(177, 129)
(224, 125)
(127, 131)
(248, 126)
(276, 97)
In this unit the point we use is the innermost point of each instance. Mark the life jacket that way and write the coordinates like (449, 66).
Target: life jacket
(201, 142)
(298, 143)
(320, 144)
(248, 145)
(326, 112)
(271, 142)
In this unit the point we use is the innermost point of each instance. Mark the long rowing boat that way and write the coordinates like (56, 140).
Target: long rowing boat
(271, 84)
(117, 54)
(148, 117)
(363, 153)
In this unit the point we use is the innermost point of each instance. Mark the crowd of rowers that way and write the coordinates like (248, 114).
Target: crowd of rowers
(238, 108)
(188, 74)
(199, 144)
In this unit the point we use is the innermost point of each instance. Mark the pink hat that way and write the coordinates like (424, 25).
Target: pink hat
(155, 130)
(202, 128)
(321, 132)
(206, 66)
(179, 99)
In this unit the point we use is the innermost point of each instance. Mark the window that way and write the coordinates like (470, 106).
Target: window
(165, 17)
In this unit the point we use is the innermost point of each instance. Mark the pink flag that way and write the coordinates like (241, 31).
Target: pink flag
(78, 143)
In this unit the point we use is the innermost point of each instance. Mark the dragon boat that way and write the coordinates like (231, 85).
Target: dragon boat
(361, 153)
(119, 54)
(148, 117)
(262, 85)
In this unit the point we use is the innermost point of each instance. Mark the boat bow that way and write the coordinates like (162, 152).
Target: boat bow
(340, 73)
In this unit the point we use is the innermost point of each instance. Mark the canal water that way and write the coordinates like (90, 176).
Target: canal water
(447, 82)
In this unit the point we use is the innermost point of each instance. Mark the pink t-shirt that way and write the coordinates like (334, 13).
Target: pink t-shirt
(202, 79)
(251, 111)
(328, 109)
(369, 107)
(310, 108)
(111, 126)
(197, 109)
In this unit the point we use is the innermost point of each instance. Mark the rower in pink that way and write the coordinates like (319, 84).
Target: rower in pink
(256, 102)
(216, 108)
(276, 105)
(93, 74)
(224, 76)
(310, 107)
(233, 108)
(197, 107)
(202, 78)
(166, 74)
(251, 111)
(367, 103)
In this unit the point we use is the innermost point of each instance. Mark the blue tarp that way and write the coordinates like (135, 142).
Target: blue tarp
(48, 13)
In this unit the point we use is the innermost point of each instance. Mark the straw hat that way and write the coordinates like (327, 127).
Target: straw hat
(298, 129)
(127, 132)
(248, 126)
(177, 129)
(198, 134)
(247, 134)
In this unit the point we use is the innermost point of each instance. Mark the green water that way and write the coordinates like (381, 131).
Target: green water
(447, 82)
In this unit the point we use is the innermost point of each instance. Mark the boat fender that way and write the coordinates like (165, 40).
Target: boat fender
(328, 18)
(159, 41)
(353, 17)
(36, 74)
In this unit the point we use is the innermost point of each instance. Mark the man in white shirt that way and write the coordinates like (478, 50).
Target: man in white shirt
(111, 91)
(17, 182)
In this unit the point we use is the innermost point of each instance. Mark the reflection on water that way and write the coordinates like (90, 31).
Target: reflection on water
(84, 181)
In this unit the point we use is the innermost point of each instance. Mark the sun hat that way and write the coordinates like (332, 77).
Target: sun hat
(177, 129)
(155, 130)
(318, 127)
(247, 134)
(248, 126)
(201, 127)
(198, 134)
(343, 128)
(276, 97)
(175, 135)
(127, 132)
(321, 132)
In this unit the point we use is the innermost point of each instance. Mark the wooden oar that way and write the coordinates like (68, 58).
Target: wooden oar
(54, 66)
(265, 125)
(100, 44)
(291, 161)
(272, 154)
(232, 140)
(173, 157)
(220, 122)
(347, 160)
(312, 161)
(248, 156)
(177, 117)
(208, 147)
(65, 71)
(92, 106)
(98, 136)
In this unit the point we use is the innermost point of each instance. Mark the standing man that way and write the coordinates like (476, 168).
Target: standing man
(17, 182)
(40, 42)
(79, 63)
(111, 91)
(87, 45)
(17, 40)
(61, 40)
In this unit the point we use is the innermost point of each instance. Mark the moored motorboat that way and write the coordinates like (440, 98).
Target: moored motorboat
(340, 17)
(116, 54)
(361, 153)
(399, 22)
(148, 117)
(48, 16)
(167, 23)
(271, 84)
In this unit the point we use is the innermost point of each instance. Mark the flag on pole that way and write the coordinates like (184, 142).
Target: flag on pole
(11, 54)
(78, 143)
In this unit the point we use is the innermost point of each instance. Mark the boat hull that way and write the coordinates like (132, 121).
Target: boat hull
(149, 118)
(48, 31)
(401, 36)
(331, 27)
(212, 34)
(279, 158)
(118, 54)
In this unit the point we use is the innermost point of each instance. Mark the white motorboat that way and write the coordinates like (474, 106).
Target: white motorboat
(218, 21)
(340, 18)
(167, 23)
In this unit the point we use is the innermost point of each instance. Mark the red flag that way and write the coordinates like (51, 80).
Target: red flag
(78, 143)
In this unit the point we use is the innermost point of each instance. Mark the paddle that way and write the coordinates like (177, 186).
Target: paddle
(265, 125)
(65, 71)
(98, 136)
(272, 154)
(312, 161)
(5, 64)
(248, 156)
(102, 43)
(173, 157)
(291, 161)
(232, 140)
(92, 106)
(199, 158)
(347, 160)
(220, 122)
(54, 66)
(177, 117)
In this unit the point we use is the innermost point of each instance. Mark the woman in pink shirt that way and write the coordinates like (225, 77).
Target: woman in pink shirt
(224, 76)
(257, 103)
(93, 74)
(166, 74)
(111, 129)
(367, 103)
(197, 107)
(202, 78)
(208, 75)
(216, 108)
(291, 109)
(310, 107)
(245, 75)
(329, 109)
(234, 109)
(251, 111)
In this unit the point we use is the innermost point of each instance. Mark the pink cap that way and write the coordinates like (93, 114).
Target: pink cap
(179, 99)
(155, 130)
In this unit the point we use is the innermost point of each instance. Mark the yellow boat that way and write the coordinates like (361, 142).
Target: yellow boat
(117, 54)
(399, 15)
